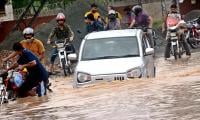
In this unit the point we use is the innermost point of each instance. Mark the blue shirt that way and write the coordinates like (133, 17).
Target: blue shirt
(94, 26)
(37, 72)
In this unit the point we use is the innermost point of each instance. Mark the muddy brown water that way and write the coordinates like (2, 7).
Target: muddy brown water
(173, 95)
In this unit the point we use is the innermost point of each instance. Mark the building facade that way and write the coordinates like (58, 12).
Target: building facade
(188, 5)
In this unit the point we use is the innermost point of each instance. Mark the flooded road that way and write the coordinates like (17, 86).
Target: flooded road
(173, 95)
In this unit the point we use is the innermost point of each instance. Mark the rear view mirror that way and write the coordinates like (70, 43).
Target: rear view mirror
(149, 51)
(72, 57)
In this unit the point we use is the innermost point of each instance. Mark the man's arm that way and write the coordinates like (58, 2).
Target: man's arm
(41, 50)
(51, 35)
(150, 22)
(30, 64)
(71, 33)
(132, 23)
(12, 55)
(13, 66)
(41, 56)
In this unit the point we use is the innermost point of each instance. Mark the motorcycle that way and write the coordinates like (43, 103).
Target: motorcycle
(193, 34)
(63, 51)
(3, 92)
(177, 48)
(12, 80)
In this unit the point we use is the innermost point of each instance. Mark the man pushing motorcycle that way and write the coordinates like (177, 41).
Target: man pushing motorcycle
(36, 71)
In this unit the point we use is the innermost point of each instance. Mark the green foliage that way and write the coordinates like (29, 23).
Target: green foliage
(157, 24)
(19, 3)
(24, 3)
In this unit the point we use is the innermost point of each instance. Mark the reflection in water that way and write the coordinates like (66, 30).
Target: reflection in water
(174, 94)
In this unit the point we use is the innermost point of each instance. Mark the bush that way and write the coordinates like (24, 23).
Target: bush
(157, 23)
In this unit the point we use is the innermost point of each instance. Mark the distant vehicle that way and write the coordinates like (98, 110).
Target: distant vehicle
(114, 55)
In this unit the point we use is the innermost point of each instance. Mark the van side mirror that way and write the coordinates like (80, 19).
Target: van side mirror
(149, 51)
(72, 57)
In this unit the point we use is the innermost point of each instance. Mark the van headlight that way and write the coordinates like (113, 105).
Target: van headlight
(83, 77)
(134, 73)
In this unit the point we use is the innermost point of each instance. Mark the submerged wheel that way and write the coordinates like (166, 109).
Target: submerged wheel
(175, 52)
(64, 67)
(193, 44)
(2, 98)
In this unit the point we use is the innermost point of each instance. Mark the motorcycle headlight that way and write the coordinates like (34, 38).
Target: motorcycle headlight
(134, 73)
(83, 77)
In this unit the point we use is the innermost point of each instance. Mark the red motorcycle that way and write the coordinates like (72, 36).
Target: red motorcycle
(193, 34)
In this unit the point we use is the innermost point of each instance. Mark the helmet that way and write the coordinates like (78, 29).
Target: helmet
(111, 12)
(137, 9)
(112, 15)
(60, 16)
(28, 30)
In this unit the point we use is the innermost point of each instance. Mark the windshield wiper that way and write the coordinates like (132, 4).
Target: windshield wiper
(110, 57)
(130, 55)
(104, 57)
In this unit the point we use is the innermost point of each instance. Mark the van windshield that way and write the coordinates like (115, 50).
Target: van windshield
(109, 48)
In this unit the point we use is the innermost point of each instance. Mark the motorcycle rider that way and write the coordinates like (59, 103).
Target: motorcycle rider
(113, 21)
(172, 19)
(142, 19)
(63, 33)
(118, 15)
(30, 43)
(93, 25)
(36, 72)
(94, 12)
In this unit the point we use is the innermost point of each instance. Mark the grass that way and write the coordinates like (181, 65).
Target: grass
(157, 23)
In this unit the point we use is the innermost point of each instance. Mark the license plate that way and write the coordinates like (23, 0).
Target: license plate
(173, 43)
(174, 38)
(173, 34)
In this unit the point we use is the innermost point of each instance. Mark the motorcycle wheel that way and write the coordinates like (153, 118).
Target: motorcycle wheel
(180, 51)
(64, 67)
(193, 44)
(2, 98)
(175, 52)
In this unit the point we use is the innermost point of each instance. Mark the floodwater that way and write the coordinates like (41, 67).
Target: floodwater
(173, 95)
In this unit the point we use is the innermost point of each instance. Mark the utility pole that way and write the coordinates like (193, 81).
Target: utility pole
(177, 3)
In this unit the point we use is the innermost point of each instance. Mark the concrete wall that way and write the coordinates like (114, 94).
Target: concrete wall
(8, 13)
(155, 9)
(186, 6)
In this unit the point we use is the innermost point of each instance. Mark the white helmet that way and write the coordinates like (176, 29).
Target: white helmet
(136, 9)
(28, 30)
(111, 12)
(60, 16)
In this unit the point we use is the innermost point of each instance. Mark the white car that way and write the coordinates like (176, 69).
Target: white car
(113, 55)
